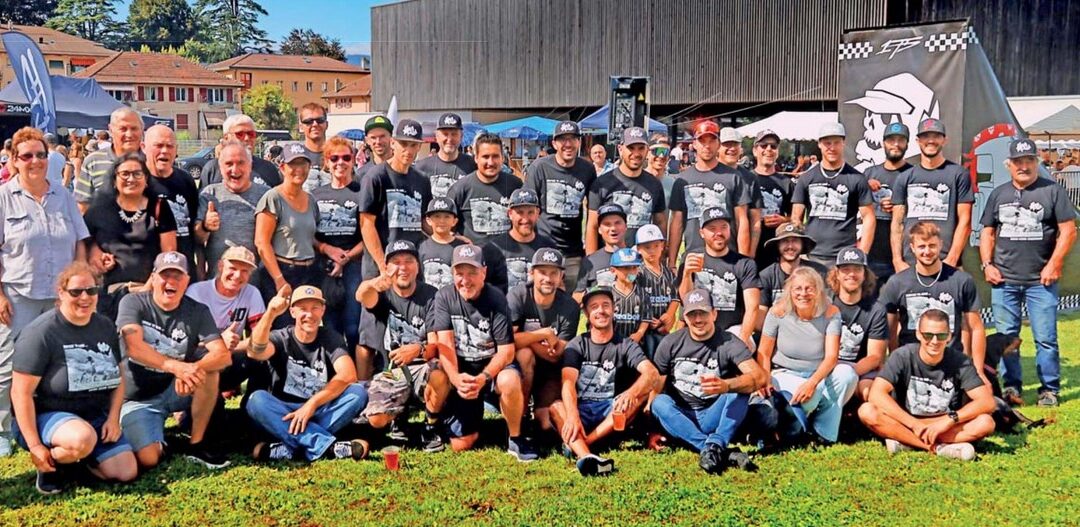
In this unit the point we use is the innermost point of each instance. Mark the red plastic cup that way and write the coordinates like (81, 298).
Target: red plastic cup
(619, 421)
(392, 458)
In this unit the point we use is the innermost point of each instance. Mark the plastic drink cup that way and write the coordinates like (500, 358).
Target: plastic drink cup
(619, 421)
(392, 458)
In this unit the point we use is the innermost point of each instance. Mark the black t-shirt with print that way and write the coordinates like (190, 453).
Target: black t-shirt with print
(832, 199)
(525, 315)
(933, 195)
(598, 364)
(79, 366)
(133, 245)
(684, 360)
(180, 193)
(443, 175)
(480, 325)
(881, 248)
(596, 271)
(1026, 222)
(562, 194)
(773, 279)
(726, 278)
(298, 370)
(927, 391)
(695, 192)
(435, 259)
(396, 321)
(640, 197)
(514, 256)
(483, 207)
(775, 199)
(339, 215)
(176, 334)
(954, 293)
(397, 201)
(263, 172)
(863, 321)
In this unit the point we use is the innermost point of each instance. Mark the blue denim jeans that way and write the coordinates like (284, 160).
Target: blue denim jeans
(1042, 304)
(825, 408)
(714, 425)
(267, 411)
(346, 320)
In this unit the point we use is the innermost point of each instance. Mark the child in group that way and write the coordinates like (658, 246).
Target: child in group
(437, 250)
(630, 301)
(659, 286)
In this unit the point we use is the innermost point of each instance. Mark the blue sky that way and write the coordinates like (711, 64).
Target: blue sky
(346, 20)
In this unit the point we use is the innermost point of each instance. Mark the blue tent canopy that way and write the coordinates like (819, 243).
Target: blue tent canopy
(80, 103)
(354, 134)
(532, 127)
(597, 123)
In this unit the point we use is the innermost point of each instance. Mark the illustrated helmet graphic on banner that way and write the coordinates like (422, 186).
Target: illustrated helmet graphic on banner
(899, 98)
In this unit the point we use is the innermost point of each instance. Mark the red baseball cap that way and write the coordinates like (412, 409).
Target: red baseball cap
(706, 128)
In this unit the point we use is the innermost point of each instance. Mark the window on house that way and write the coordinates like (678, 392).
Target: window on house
(216, 95)
(181, 94)
(120, 95)
(56, 65)
(324, 86)
(150, 94)
(295, 86)
(181, 121)
(309, 85)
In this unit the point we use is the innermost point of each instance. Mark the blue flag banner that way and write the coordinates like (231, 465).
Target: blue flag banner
(33, 77)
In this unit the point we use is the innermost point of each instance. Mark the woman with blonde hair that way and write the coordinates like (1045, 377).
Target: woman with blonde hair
(800, 348)
(74, 163)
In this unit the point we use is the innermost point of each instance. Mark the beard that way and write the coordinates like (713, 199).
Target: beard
(894, 156)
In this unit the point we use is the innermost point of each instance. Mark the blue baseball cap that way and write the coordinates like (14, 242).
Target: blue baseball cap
(626, 257)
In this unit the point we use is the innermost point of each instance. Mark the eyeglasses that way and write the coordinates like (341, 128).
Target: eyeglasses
(768, 146)
(78, 291)
(31, 155)
(939, 336)
(346, 158)
(245, 134)
(131, 174)
(313, 120)
(661, 152)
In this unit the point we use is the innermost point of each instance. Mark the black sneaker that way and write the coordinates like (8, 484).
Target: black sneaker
(355, 449)
(397, 432)
(739, 459)
(594, 465)
(522, 449)
(272, 452)
(432, 439)
(49, 482)
(712, 460)
(199, 453)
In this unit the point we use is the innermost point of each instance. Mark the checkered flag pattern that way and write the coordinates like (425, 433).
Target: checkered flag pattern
(951, 41)
(1065, 303)
(855, 50)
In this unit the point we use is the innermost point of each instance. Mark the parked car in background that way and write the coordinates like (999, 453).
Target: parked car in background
(193, 164)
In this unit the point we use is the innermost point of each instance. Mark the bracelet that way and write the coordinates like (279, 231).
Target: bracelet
(259, 348)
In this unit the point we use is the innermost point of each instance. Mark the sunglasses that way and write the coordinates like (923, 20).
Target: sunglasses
(31, 155)
(661, 152)
(346, 158)
(314, 120)
(930, 337)
(245, 134)
(768, 146)
(77, 292)
(131, 174)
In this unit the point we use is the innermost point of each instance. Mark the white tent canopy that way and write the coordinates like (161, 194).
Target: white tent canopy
(791, 126)
(1030, 110)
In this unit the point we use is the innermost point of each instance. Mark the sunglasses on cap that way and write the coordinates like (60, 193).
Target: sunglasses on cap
(346, 158)
(78, 291)
(939, 336)
(31, 155)
(314, 120)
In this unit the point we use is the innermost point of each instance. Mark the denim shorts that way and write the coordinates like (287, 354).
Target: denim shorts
(143, 422)
(593, 412)
(49, 422)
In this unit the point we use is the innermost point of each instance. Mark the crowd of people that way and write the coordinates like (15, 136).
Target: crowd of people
(722, 306)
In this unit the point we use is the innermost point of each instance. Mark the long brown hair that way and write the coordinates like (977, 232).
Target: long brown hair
(869, 284)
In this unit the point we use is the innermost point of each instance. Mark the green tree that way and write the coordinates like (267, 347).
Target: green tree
(225, 29)
(308, 42)
(159, 24)
(89, 19)
(26, 12)
(267, 106)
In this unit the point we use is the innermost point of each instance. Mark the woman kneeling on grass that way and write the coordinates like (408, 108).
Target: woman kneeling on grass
(68, 388)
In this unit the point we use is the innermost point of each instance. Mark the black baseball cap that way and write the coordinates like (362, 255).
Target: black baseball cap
(409, 130)
(931, 125)
(449, 121)
(441, 205)
(697, 299)
(548, 256)
(1022, 147)
(567, 128)
(596, 290)
(714, 213)
(401, 246)
(467, 254)
(851, 256)
(378, 122)
(524, 197)
(610, 208)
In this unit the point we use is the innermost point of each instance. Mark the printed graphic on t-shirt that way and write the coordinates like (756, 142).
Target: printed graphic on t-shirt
(882, 193)
(828, 203)
(928, 203)
(174, 345)
(1021, 223)
(258, 180)
(700, 198)
(180, 211)
(564, 199)
(605, 277)
(473, 343)
(597, 380)
(437, 274)
(304, 381)
(335, 219)
(918, 303)
(773, 202)
(489, 217)
(401, 332)
(638, 208)
(91, 369)
(316, 178)
(517, 271)
(688, 372)
(924, 398)
(403, 210)
(723, 288)
(851, 338)
(440, 184)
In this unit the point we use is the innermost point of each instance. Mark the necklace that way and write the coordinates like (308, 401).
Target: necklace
(132, 218)
(833, 176)
(936, 278)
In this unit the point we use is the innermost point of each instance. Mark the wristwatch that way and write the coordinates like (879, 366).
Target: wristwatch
(984, 265)
(487, 377)
(954, 416)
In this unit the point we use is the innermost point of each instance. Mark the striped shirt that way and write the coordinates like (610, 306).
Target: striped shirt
(628, 310)
(660, 290)
(96, 175)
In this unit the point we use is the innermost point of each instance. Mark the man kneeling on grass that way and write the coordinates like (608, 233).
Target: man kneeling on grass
(915, 400)
(589, 409)
(312, 393)
(707, 375)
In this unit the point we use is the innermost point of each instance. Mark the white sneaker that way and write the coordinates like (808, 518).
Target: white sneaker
(961, 451)
(5, 446)
(894, 446)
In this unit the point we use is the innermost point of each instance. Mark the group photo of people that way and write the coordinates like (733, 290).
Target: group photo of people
(311, 307)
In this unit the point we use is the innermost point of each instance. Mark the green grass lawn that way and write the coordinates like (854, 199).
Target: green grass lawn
(1030, 478)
